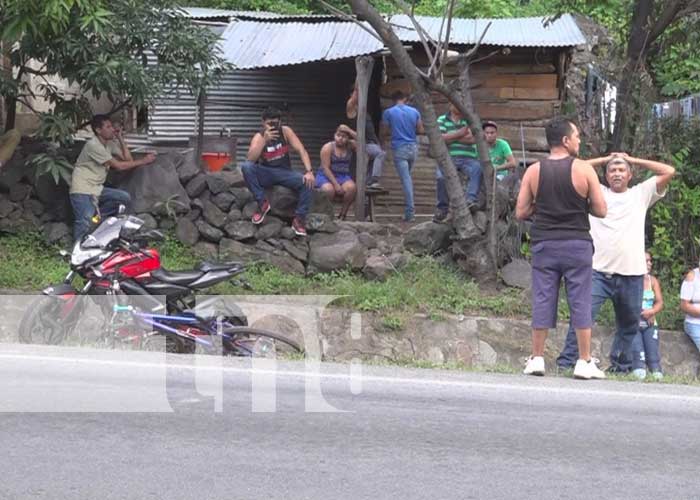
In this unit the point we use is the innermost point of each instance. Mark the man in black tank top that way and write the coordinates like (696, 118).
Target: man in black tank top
(269, 165)
(559, 192)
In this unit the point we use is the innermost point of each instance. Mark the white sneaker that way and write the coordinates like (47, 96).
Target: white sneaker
(587, 370)
(534, 366)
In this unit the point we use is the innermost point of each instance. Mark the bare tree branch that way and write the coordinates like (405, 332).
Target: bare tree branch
(666, 17)
(471, 52)
(450, 13)
(422, 34)
(348, 17)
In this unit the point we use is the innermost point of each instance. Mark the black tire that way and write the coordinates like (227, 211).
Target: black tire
(41, 323)
(244, 339)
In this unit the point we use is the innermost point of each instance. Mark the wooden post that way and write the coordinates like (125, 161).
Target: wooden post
(201, 103)
(363, 67)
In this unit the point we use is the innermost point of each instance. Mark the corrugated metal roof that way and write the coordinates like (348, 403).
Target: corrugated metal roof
(205, 13)
(202, 13)
(516, 32)
(251, 44)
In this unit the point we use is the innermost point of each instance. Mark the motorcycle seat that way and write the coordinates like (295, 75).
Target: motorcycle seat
(183, 278)
(207, 266)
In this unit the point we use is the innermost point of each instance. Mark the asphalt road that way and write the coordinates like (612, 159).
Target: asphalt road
(91, 424)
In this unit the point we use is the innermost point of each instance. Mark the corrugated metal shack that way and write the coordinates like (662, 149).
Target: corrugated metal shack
(305, 65)
(520, 89)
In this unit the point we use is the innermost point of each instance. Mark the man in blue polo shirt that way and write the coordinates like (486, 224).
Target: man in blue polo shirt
(404, 122)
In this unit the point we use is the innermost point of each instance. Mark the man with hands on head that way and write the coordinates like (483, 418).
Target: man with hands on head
(619, 263)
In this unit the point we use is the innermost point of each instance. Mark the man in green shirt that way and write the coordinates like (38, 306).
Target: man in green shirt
(87, 191)
(461, 145)
(499, 151)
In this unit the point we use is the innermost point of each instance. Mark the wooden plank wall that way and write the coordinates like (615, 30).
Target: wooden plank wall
(519, 88)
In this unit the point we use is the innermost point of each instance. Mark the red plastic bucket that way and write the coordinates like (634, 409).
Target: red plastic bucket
(216, 161)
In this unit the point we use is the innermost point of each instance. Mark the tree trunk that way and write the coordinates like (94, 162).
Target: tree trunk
(462, 220)
(363, 68)
(637, 48)
(11, 107)
(485, 158)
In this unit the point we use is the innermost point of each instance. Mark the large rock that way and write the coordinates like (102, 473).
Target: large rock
(235, 250)
(20, 192)
(6, 207)
(373, 228)
(249, 210)
(270, 228)
(157, 186)
(197, 185)
(35, 206)
(54, 197)
(213, 214)
(298, 248)
(367, 240)
(427, 238)
(320, 223)
(188, 168)
(233, 215)
(475, 259)
(517, 273)
(149, 222)
(187, 232)
(13, 171)
(224, 200)
(206, 250)
(209, 232)
(328, 252)
(56, 232)
(378, 268)
(240, 230)
(242, 196)
(218, 182)
(283, 203)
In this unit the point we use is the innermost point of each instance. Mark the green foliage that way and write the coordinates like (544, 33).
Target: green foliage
(102, 49)
(392, 322)
(57, 167)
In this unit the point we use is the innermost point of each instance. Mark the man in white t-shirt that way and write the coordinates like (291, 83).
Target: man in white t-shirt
(619, 263)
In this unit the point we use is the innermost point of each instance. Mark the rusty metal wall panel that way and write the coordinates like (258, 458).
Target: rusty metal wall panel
(311, 95)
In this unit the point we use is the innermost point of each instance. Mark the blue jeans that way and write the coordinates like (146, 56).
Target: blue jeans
(467, 166)
(692, 330)
(404, 158)
(377, 155)
(259, 177)
(84, 208)
(626, 295)
(645, 348)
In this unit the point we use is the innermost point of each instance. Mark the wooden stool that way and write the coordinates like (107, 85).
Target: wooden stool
(371, 195)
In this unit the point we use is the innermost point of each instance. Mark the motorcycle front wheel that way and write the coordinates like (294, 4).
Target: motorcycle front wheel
(47, 320)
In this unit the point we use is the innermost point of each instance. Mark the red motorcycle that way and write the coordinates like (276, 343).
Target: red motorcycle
(114, 261)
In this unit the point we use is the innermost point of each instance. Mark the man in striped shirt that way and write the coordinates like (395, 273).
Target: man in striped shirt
(461, 145)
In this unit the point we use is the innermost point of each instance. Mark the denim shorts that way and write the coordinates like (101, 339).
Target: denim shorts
(321, 179)
(552, 261)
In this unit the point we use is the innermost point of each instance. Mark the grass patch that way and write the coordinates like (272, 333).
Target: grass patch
(28, 263)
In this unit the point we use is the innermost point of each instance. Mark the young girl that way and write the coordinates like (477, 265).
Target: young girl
(647, 342)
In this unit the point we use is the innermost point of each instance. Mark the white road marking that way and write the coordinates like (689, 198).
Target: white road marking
(313, 374)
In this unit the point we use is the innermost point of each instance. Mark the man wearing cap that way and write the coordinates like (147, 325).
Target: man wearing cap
(499, 150)
(619, 263)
